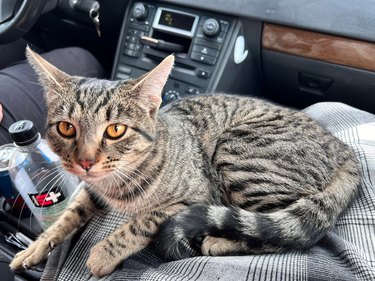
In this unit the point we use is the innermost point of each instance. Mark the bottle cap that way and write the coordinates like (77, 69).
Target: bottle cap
(23, 132)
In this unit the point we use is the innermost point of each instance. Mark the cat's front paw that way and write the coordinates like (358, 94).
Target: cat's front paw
(32, 256)
(102, 260)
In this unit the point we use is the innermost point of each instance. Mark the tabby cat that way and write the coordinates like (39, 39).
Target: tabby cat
(246, 175)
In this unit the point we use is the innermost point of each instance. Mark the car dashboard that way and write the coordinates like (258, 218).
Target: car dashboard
(291, 52)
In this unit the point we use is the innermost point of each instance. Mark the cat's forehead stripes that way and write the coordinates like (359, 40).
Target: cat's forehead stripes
(90, 95)
(116, 111)
(94, 94)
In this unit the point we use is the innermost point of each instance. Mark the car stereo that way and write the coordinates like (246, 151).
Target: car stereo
(175, 22)
(199, 40)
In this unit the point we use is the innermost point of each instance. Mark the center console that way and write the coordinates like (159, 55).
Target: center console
(199, 40)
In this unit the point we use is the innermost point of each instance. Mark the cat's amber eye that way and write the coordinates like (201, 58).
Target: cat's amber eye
(66, 129)
(115, 131)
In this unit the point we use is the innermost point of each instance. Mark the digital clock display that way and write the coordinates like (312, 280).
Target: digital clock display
(176, 20)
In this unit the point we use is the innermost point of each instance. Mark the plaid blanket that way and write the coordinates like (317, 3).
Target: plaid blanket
(345, 253)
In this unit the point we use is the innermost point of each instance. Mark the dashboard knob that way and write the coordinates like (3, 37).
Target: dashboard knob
(211, 27)
(139, 11)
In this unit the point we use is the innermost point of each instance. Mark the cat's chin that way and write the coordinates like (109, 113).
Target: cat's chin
(93, 177)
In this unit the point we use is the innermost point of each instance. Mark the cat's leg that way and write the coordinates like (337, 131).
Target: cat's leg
(129, 239)
(216, 246)
(78, 212)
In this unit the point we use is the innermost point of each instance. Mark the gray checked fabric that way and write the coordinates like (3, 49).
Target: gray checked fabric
(345, 253)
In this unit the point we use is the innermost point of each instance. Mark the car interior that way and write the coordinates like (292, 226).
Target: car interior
(292, 52)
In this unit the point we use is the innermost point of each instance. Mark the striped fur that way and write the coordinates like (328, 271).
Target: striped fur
(249, 176)
(283, 179)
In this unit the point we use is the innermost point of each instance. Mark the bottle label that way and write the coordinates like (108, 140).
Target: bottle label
(52, 197)
(50, 205)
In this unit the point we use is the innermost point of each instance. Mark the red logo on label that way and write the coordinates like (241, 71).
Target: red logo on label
(52, 197)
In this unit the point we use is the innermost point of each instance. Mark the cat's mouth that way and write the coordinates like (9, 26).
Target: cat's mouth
(90, 176)
(93, 176)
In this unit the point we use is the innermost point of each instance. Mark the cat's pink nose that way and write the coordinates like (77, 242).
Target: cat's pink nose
(86, 164)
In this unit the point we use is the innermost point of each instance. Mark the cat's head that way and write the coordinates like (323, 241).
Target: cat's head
(99, 126)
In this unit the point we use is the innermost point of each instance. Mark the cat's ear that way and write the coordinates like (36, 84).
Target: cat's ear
(152, 84)
(49, 76)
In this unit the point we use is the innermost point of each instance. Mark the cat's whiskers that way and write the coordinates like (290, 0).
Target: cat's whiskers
(105, 187)
(52, 171)
(112, 176)
(135, 171)
(62, 176)
(56, 169)
(136, 185)
(116, 183)
(101, 204)
(143, 176)
(19, 194)
(132, 180)
(121, 190)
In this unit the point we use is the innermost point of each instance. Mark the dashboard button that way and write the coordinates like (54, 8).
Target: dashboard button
(125, 69)
(203, 58)
(133, 39)
(137, 47)
(205, 51)
(122, 76)
(132, 53)
(194, 91)
(129, 52)
(132, 32)
(207, 43)
(136, 53)
(140, 26)
(224, 25)
(203, 73)
(220, 38)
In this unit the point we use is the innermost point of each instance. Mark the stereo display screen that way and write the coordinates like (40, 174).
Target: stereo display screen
(176, 20)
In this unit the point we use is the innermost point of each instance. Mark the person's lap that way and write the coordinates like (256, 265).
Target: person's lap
(21, 96)
(343, 251)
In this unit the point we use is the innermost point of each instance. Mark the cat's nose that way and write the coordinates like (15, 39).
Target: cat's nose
(86, 164)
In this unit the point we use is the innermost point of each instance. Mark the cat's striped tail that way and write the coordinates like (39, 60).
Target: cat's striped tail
(299, 226)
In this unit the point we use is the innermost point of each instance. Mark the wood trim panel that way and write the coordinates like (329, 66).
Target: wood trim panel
(319, 46)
